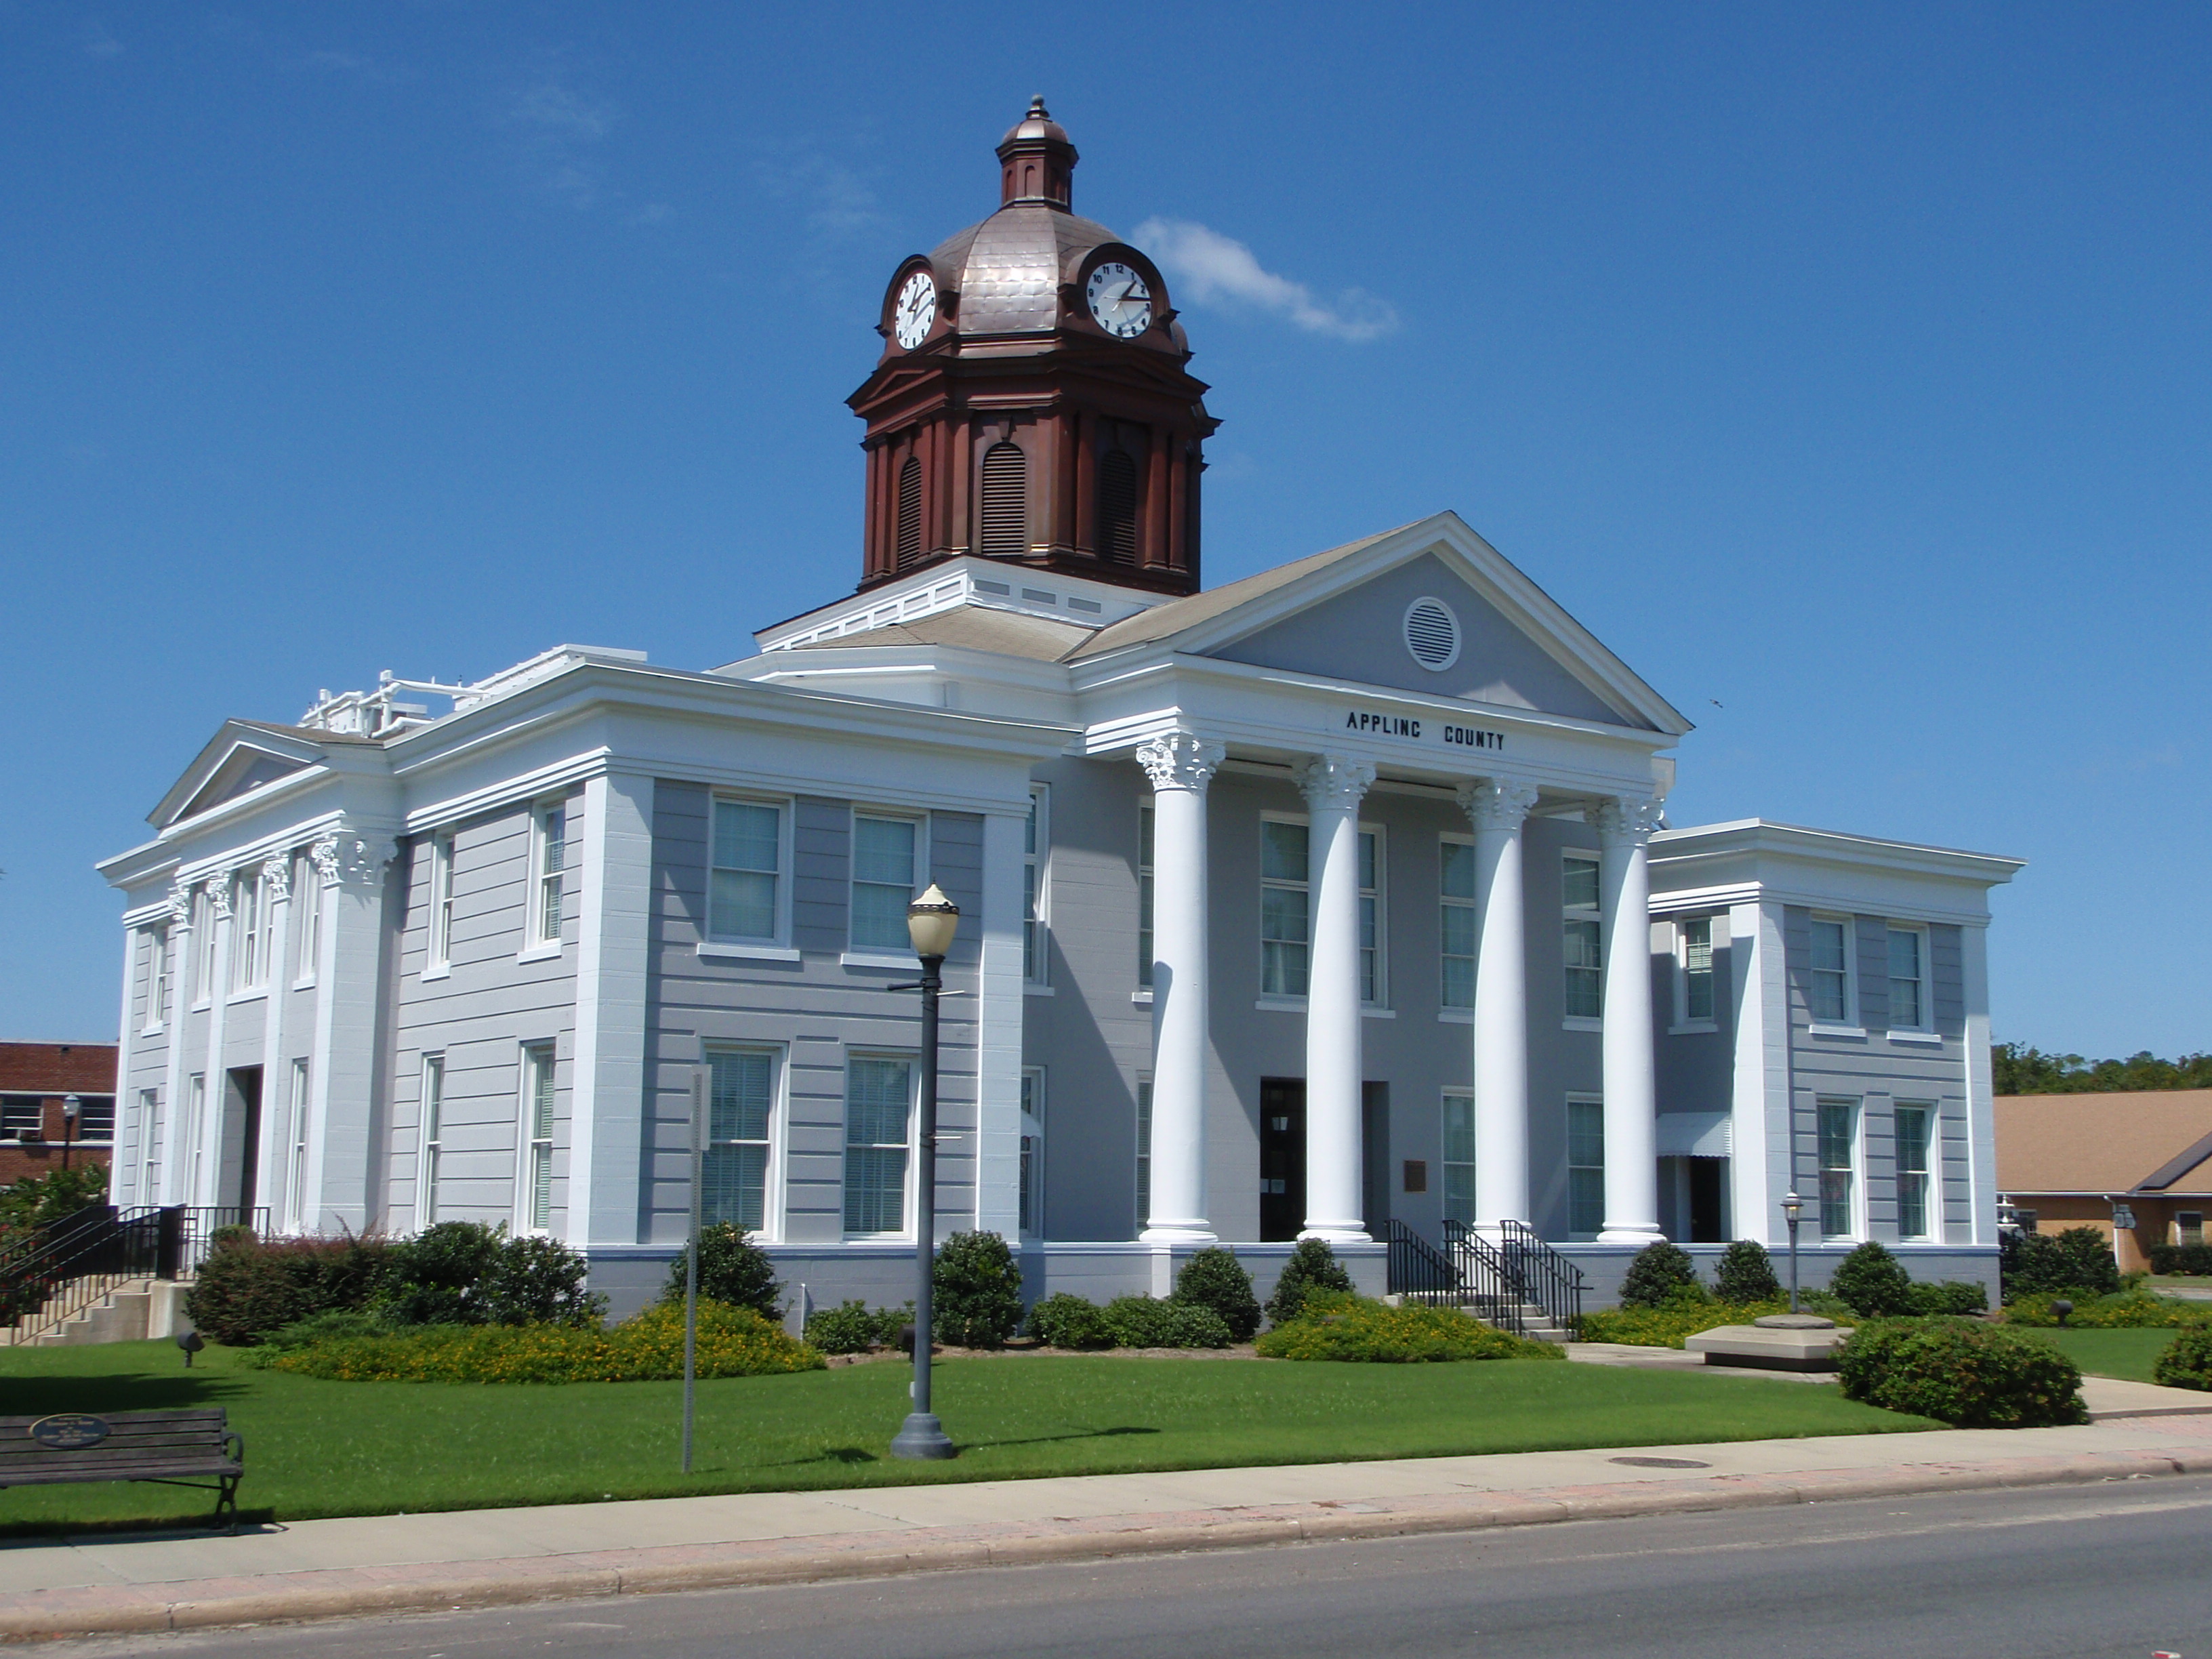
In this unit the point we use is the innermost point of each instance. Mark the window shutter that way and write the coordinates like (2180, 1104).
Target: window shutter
(909, 514)
(1005, 503)
(1117, 508)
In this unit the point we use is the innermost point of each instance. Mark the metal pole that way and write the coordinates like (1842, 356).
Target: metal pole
(922, 1436)
(1793, 1263)
(691, 1265)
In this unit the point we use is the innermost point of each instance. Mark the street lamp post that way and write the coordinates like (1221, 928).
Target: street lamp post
(1792, 1207)
(72, 1108)
(931, 922)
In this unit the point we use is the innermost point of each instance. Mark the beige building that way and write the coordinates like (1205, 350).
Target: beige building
(2137, 1167)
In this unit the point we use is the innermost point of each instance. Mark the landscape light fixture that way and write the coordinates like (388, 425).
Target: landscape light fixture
(932, 922)
(1793, 1207)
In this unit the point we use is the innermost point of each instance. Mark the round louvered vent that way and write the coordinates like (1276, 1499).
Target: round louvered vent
(1432, 634)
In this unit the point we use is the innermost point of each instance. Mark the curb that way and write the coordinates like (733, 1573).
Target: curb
(440, 1587)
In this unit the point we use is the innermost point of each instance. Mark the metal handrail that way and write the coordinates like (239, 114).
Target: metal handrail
(1417, 1267)
(1548, 1279)
(79, 1263)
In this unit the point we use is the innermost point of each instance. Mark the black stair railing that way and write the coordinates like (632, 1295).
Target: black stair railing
(1417, 1267)
(1547, 1280)
(1488, 1288)
(72, 1263)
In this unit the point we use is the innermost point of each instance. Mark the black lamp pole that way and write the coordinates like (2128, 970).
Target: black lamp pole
(70, 1107)
(932, 921)
(1792, 1207)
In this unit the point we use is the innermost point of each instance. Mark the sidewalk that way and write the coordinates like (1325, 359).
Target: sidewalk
(395, 1564)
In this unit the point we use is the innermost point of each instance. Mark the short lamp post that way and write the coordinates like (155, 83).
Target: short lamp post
(1793, 1207)
(932, 921)
(72, 1108)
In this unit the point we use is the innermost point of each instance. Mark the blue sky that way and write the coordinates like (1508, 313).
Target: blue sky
(1845, 369)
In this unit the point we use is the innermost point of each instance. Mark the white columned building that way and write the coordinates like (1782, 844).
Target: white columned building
(1632, 1159)
(1498, 808)
(1333, 786)
(1181, 765)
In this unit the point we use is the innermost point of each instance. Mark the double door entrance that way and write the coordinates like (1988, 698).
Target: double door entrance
(1283, 1157)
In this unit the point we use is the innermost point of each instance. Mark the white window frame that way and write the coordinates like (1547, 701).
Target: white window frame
(438, 940)
(1446, 1163)
(1142, 1096)
(195, 1136)
(1931, 1153)
(1031, 1206)
(1283, 999)
(149, 1167)
(1857, 1140)
(1447, 903)
(295, 1157)
(203, 965)
(1850, 1024)
(2186, 1222)
(308, 900)
(430, 1111)
(159, 989)
(1146, 821)
(876, 956)
(1595, 1103)
(1592, 915)
(535, 1060)
(1924, 1028)
(775, 945)
(249, 933)
(544, 883)
(1037, 891)
(1378, 896)
(908, 1188)
(770, 1230)
(1685, 1020)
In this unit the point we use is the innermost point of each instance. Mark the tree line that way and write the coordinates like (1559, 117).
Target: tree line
(2018, 1069)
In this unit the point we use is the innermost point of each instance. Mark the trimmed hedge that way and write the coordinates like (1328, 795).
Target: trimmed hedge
(2076, 1261)
(1215, 1279)
(732, 1342)
(467, 1273)
(1946, 1296)
(732, 1270)
(1873, 1283)
(855, 1327)
(1659, 1271)
(1338, 1327)
(1746, 1274)
(2187, 1361)
(976, 1291)
(1064, 1319)
(249, 1288)
(2180, 1258)
(1142, 1322)
(2129, 1310)
(1312, 1267)
(1961, 1372)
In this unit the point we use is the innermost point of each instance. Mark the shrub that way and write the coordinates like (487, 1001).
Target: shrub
(35, 1200)
(732, 1270)
(1066, 1320)
(1746, 1274)
(732, 1342)
(249, 1288)
(465, 1273)
(1659, 1268)
(1872, 1282)
(855, 1327)
(1141, 1321)
(1670, 1327)
(1949, 1295)
(1356, 1328)
(2187, 1361)
(1961, 1371)
(2077, 1260)
(2138, 1310)
(2180, 1258)
(1215, 1279)
(1312, 1267)
(976, 1291)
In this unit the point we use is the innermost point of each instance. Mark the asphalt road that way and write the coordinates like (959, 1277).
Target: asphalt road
(2122, 1569)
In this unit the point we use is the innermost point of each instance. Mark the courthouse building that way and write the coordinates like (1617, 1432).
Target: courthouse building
(1333, 899)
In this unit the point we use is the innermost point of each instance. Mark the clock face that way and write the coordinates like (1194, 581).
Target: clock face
(916, 311)
(1120, 301)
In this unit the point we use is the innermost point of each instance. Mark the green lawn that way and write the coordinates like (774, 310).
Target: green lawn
(329, 1449)
(2123, 1353)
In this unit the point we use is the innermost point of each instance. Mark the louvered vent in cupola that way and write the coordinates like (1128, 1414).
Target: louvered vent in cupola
(1432, 634)
(1006, 502)
(909, 514)
(1117, 507)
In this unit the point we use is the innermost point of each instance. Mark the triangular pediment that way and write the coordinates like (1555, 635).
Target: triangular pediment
(241, 759)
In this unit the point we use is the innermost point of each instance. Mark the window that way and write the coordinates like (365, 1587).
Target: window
(879, 1106)
(549, 858)
(1286, 928)
(1832, 971)
(1032, 1200)
(1035, 834)
(440, 953)
(1838, 1128)
(203, 970)
(149, 1170)
(1372, 990)
(537, 1075)
(1585, 1167)
(308, 900)
(1462, 924)
(2189, 1226)
(1458, 1155)
(1694, 941)
(295, 1162)
(247, 955)
(195, 1125)
(157, 978)
(744, 896)
(23, 1117)
(1145, 897)
(1006, 502)
(884, 861)
(433, 1135)
(1144, 1153)
(1913, 1127)
(96, 1118)
(740, 1104)
(1908, 979)
(1585, 957)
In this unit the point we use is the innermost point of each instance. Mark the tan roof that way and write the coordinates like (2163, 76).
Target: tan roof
(1009, 633)
(2114, 1143)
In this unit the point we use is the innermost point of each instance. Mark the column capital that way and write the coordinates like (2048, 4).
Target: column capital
(1625, 820)
(1334, 780)
(180, 903)
(1497, 802)
(1181, 760)
(276, 878)
(350, 860)
(218, 892)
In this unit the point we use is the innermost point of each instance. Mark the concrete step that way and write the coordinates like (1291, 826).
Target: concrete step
(125, 1314)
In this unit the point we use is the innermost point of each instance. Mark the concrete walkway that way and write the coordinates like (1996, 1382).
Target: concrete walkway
(390, 1564)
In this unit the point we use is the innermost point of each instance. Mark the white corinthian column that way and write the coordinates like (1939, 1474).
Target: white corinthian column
(1333, 785)
(1632, 1125)
(1497, 807)
(1179, 765)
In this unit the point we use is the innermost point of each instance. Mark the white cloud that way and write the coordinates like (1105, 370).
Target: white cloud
(552, 129)
(1209, 267)
(838, 200)
(98, 39)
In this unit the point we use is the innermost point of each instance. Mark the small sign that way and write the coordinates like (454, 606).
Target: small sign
(69, 1431)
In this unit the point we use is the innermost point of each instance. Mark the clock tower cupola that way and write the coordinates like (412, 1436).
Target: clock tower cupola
(1034, 402)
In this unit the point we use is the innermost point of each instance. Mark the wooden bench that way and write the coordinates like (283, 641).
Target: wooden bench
(190, 1448)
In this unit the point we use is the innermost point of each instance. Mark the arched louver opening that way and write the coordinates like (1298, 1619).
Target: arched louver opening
(1117, 508)
(1006, 502)
(909, 514)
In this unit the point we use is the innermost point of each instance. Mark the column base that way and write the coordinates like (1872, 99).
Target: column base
(1336, 1232)
(1631, 1234)
(922, 1438)
(1196, 1232)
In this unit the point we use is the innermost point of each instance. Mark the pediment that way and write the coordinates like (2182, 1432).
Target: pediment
(240, 760)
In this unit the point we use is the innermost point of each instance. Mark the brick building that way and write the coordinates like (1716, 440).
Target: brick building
(2083, 1160)
(37, 1080)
